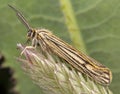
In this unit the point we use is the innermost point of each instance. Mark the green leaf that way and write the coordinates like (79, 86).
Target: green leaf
(97, 20)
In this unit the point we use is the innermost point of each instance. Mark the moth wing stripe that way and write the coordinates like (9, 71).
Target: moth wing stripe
(70, 56)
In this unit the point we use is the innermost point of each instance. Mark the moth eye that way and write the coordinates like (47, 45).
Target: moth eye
(29, 33)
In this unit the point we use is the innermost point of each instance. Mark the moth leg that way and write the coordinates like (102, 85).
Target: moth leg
(27, 47)
(34, 44)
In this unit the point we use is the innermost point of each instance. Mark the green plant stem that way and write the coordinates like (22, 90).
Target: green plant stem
(72, 26)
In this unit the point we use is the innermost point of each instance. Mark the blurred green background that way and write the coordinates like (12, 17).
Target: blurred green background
(98, 20)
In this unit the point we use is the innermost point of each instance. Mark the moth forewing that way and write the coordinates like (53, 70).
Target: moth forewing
(76, 59)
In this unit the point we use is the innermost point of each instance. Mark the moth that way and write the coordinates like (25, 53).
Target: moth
(81, 62)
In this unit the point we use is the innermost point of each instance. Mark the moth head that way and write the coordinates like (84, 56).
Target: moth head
(31, 33)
